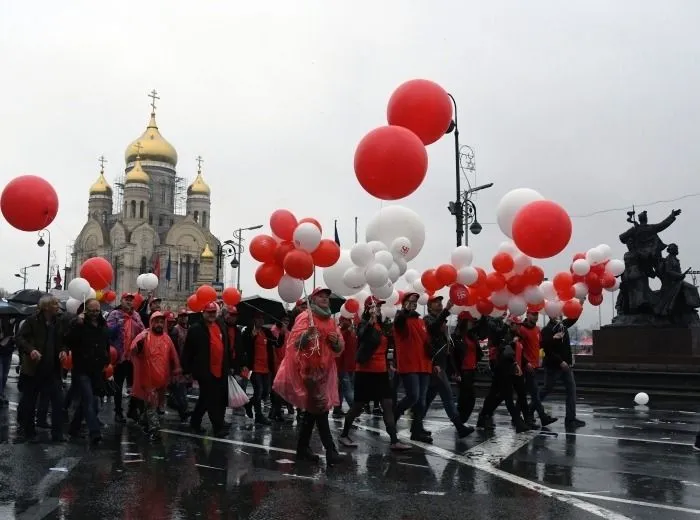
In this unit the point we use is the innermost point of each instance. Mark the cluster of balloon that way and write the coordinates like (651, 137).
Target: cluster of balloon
(291, 254)
(595, 271)
(540, 228)
(206, 294)
(29, 203)
(391, 161)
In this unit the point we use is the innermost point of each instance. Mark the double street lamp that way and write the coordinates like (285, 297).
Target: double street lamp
(231, 248)
(23, 275)
(41, 243)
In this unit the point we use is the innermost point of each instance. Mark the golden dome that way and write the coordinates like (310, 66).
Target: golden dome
(207, 254)
(136, 174)
(153, 146)
(198, 186)
(101, 187)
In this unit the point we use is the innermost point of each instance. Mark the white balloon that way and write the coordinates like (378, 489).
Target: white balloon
(594, 256)
(418, 286)
(615, 267)
(139, 281)
(355, 277)
(400, 247)
(149, 282)
(92, 294)
(521, 262)
(581, 267)
(642, 398)
(533, 295)
(333, 276)
(553, 308)
(496, 313)
(548, 290)
(501, 298)
(423, 299)
(79, 288)
(376, 275)
(393, 222)
(307, 236)
(72, 305)
(361, 254)
(388, 312)
(377, 245)
(393, 299)
(290, 289)
(394, 273)
(517, 305)
(508, 247)
(411, 275)
(462, 256)
(384, 291)
(509, 206)
(384, 258)
(580, 290)
(346, 313)
(605, 250)
(614, 287)
(402, 265)
(467, 275)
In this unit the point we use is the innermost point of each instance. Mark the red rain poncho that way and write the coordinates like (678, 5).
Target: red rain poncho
(153, 366)
(308, 378)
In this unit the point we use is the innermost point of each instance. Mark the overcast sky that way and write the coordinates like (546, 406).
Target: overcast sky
(594, 104)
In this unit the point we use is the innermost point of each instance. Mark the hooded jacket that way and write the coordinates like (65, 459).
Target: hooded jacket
(557, 350)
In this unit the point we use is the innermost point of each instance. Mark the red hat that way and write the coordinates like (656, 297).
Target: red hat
(407, 295)
(156, 315)
(373, 300)
(211, 307)
(127, 295)
(319, 290)
(182, 312)
(170, 316)
(300, 303)
(231, 309)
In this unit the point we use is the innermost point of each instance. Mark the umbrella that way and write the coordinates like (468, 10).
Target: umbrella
(8, 308)
(336, 303)
(26, 296)
(272, 310)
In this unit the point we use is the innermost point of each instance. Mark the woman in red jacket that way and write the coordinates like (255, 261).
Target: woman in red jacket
(413, 364)
(346, 366)
(468, 353)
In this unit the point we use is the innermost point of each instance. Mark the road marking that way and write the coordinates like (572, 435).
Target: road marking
(424, 466)
(632, 502)
(433, 493)
(230, 441)
(210, 467)
(293, 475)
(652, 441)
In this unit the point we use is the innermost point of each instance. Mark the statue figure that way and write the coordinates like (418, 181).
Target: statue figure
(636, 297)
(678, 299)
(645, 241)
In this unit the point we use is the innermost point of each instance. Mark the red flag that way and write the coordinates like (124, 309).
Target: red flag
(156, 265)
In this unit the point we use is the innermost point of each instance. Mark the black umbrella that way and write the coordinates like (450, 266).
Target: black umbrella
(272, 310)
(26, 296)
(336, 303)
(8, 308)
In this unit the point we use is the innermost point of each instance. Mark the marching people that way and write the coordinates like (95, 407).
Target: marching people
(179, 332)
(467, 355)
(148, 307)
(308, 376)
(372, 374)
(279, 331)
(346, 366)
(7, 347)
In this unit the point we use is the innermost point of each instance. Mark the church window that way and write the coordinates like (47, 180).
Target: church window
(160, 220)
(144, 265)
(163, 190)
(204, 219)
(195, 272)
(142, 209)
(133, 209)
(150, 219)
(188, 264)
(196, 216)
(104, 217)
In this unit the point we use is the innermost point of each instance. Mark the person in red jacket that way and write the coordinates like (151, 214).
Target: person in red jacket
(346, 366)
(468, 353)
(413, 364)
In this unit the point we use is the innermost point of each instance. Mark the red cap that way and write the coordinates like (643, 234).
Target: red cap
(407, 295)
(319, 290)
(373, 300)
(231, 309)
(170, 316)
(300, 303)
(182, 312)
(211, 307)
(156, 315)
(127, 295)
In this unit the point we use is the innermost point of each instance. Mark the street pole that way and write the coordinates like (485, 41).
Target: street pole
(238, 235)
(41, 243)
(24, 275)
(458, 184)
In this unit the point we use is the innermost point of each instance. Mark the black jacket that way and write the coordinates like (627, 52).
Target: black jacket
(89, 347)
(33, 334)
(196, 359)
(557, 350)
(368, 340)
(440, 345)
(460, 349)
(247, 358)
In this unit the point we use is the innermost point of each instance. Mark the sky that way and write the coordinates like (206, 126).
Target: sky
(592, 103)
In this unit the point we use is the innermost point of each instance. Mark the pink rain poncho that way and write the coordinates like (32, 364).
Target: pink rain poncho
(307, 377)
(153, 366)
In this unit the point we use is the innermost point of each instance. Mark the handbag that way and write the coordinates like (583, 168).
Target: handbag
(236, 396)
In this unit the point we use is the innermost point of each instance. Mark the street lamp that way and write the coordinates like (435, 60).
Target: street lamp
(235, 249)
(41, 243)
(24, 276)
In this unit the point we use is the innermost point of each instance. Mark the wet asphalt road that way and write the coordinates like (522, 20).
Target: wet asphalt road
(628, 462)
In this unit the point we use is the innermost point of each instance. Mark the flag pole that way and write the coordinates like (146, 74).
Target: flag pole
(356, 230)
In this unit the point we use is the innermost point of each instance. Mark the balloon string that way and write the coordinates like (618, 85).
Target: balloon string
(316, 348)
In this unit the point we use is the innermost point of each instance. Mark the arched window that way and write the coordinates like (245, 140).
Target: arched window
(133, 209)
(163, 191)
(142, 209)
(160, 220)
(204, 219)
(196, 216)
(144, 265)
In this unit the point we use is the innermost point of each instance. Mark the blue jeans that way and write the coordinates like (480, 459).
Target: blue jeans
(534, 391)
(416, 387)
(439, 384)
(5, 362)
(551, 375)
(345, 388)
(87, 409)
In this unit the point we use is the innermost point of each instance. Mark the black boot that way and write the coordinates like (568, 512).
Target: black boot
(306, 428)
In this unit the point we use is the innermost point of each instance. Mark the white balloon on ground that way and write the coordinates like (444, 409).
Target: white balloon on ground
(501, 298)
(377, 245)
(361, 254)
(384, 291)
(150, 281)
(521, 262)
(393, 222)
(548, 290)
(642, 398)
(418, 286)
(533, 295)
(394, 273)
(307, 237)
(355, 277)
(400, 247)
(615, 267)
(388, 311)
(462, 256)
(580, 290)
(594, 256)
(384, 257)
(614, 287)
(508, 247)
(72, 305)
(581, 267)
(376, 275)
(553, 308)
(79, 288)
(517, 305)
(411, 275)
(423, 299)
(509, 206)
(333, 276)
(402, 265)
(290, 289)
(467, 275)
(605, 251)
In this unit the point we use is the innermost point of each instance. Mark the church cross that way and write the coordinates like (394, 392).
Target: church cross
(102, 162)
(139, 147)
(199, 163)
(153, 95)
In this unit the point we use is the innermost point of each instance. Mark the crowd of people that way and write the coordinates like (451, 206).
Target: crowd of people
(307, 364)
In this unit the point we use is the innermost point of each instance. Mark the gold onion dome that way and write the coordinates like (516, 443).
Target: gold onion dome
(154, 147)
(101, 187)
(198, 186)
(207, 253)
(137, 174)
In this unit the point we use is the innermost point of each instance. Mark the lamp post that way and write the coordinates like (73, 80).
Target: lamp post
(41, 243)
(23, 276)
(235, 249)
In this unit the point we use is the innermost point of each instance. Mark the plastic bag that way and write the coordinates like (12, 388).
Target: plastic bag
(236, 396)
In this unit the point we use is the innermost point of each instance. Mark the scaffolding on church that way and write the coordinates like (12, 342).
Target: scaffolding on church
(180, 196)
(118, 201)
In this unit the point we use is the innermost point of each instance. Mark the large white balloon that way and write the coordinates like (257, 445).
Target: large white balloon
(92, 294)
(517, 305)
(377, 275)
(79, 288)
(290, 289)
(467, 275)
(72, 305)
(149, 282)
(384, 258)
(533, 295)
(411, 275)
(615, 267)
(581, 267)
(384, 291)
(462, 256)
(553, 308)
(394, 273)
(580, 290)
(393, 222)
(509, 206)
(333, 276)
(400, 247)
(423, 299)
(307, 237)
(361, 296)
(388, 312)
(548, 290)
(361, 254)
(355, 277)
(642, 398)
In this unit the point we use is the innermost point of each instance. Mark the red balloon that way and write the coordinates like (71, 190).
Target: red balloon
(533, 275)
(535, 307)
(263, 248)
(113, 355)
(598, 269)
(578, 278)
(67, 362)
(299, 264)
(352, 306)
(495, 281)
(98, 272)
(423, 107)
(283, 223)
(390, 162)
(503, 263)
(312, 221)
(541, 229)
(579, 256)
(484, 306)
(268, 276)
(595, 299)
(194, 304)
(29, 203)
(231, 296)
(206, 294)
(326, 254)
(430, 281)
(572, 309)
(566, 293)
(593, 282)
(459, 294)
(108, 371)
(481, 278)
(562, 281)
(516, 284)
(607, 281)
(282, 249)
(446, 274)
(109, 296)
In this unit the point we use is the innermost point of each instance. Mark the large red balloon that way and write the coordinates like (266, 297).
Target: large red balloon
(390, 162)
(282, 249)
(352, 305)
(29, 203)
(446, 274)
(108, 371)
(268, 276)
(572, 309)
(138, 300)
(459, 294)
(98, 272)
(423, 107)
(231, 296)
(194, 304)
(566, 293)
(326, 254)
(430, 281)
(541, 229)
(263, 248)
(283, 223)
(299, 264)
(206, 294)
